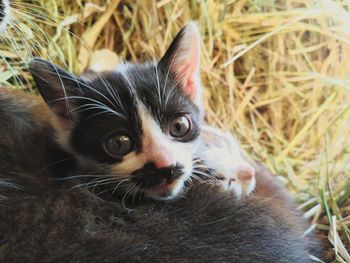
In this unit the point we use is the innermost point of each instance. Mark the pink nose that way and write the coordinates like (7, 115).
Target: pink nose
(161, 158)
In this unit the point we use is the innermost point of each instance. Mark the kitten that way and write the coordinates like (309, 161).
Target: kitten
(220, 157)
(139, 124)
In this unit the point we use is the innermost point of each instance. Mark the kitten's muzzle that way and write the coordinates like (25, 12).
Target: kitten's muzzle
(149, 176)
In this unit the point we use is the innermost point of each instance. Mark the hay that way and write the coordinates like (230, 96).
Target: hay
(276, 74)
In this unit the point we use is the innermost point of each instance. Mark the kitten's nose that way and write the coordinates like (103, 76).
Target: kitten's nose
(158, 151)
(163, 162)
(161, 158)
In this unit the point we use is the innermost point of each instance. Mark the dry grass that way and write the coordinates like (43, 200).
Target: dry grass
(277, 73)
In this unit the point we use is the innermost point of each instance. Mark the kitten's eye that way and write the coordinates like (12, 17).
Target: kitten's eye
(118, 145)
(180, 126)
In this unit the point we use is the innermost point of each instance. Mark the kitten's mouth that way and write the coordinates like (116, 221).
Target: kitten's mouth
(164, 187)
(162, 183)
(164, 191)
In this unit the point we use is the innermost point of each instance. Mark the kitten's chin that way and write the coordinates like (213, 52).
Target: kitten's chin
(166, 192)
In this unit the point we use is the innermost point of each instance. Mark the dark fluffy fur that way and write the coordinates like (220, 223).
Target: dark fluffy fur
(203, 226)
(27, 146)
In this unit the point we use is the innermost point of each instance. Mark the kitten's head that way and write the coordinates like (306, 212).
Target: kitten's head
(138, 124)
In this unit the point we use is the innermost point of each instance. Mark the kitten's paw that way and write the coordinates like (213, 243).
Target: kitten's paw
(241, 183)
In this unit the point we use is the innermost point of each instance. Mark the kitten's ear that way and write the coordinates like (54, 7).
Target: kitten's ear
(55, 85)
(182, 59)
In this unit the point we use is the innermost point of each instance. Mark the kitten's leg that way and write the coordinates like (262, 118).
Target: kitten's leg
(240, 183)
(222, 156)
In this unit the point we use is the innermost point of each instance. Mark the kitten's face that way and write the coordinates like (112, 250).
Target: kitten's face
(138, 124)
(137, 129)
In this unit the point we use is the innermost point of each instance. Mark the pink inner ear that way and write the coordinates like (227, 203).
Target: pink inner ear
(189, 82)
(186, 64)
(188, 71)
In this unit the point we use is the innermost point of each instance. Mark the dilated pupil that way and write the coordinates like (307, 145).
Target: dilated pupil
(179, 126)
(122, 142)
(119, 144)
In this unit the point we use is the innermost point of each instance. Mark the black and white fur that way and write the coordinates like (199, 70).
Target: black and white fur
(137, 100)
(218, 155)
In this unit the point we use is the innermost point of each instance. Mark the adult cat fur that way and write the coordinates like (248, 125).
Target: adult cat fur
(203, 226)
(27, 145)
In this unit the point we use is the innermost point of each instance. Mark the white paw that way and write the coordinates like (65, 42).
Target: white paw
(240, 182)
